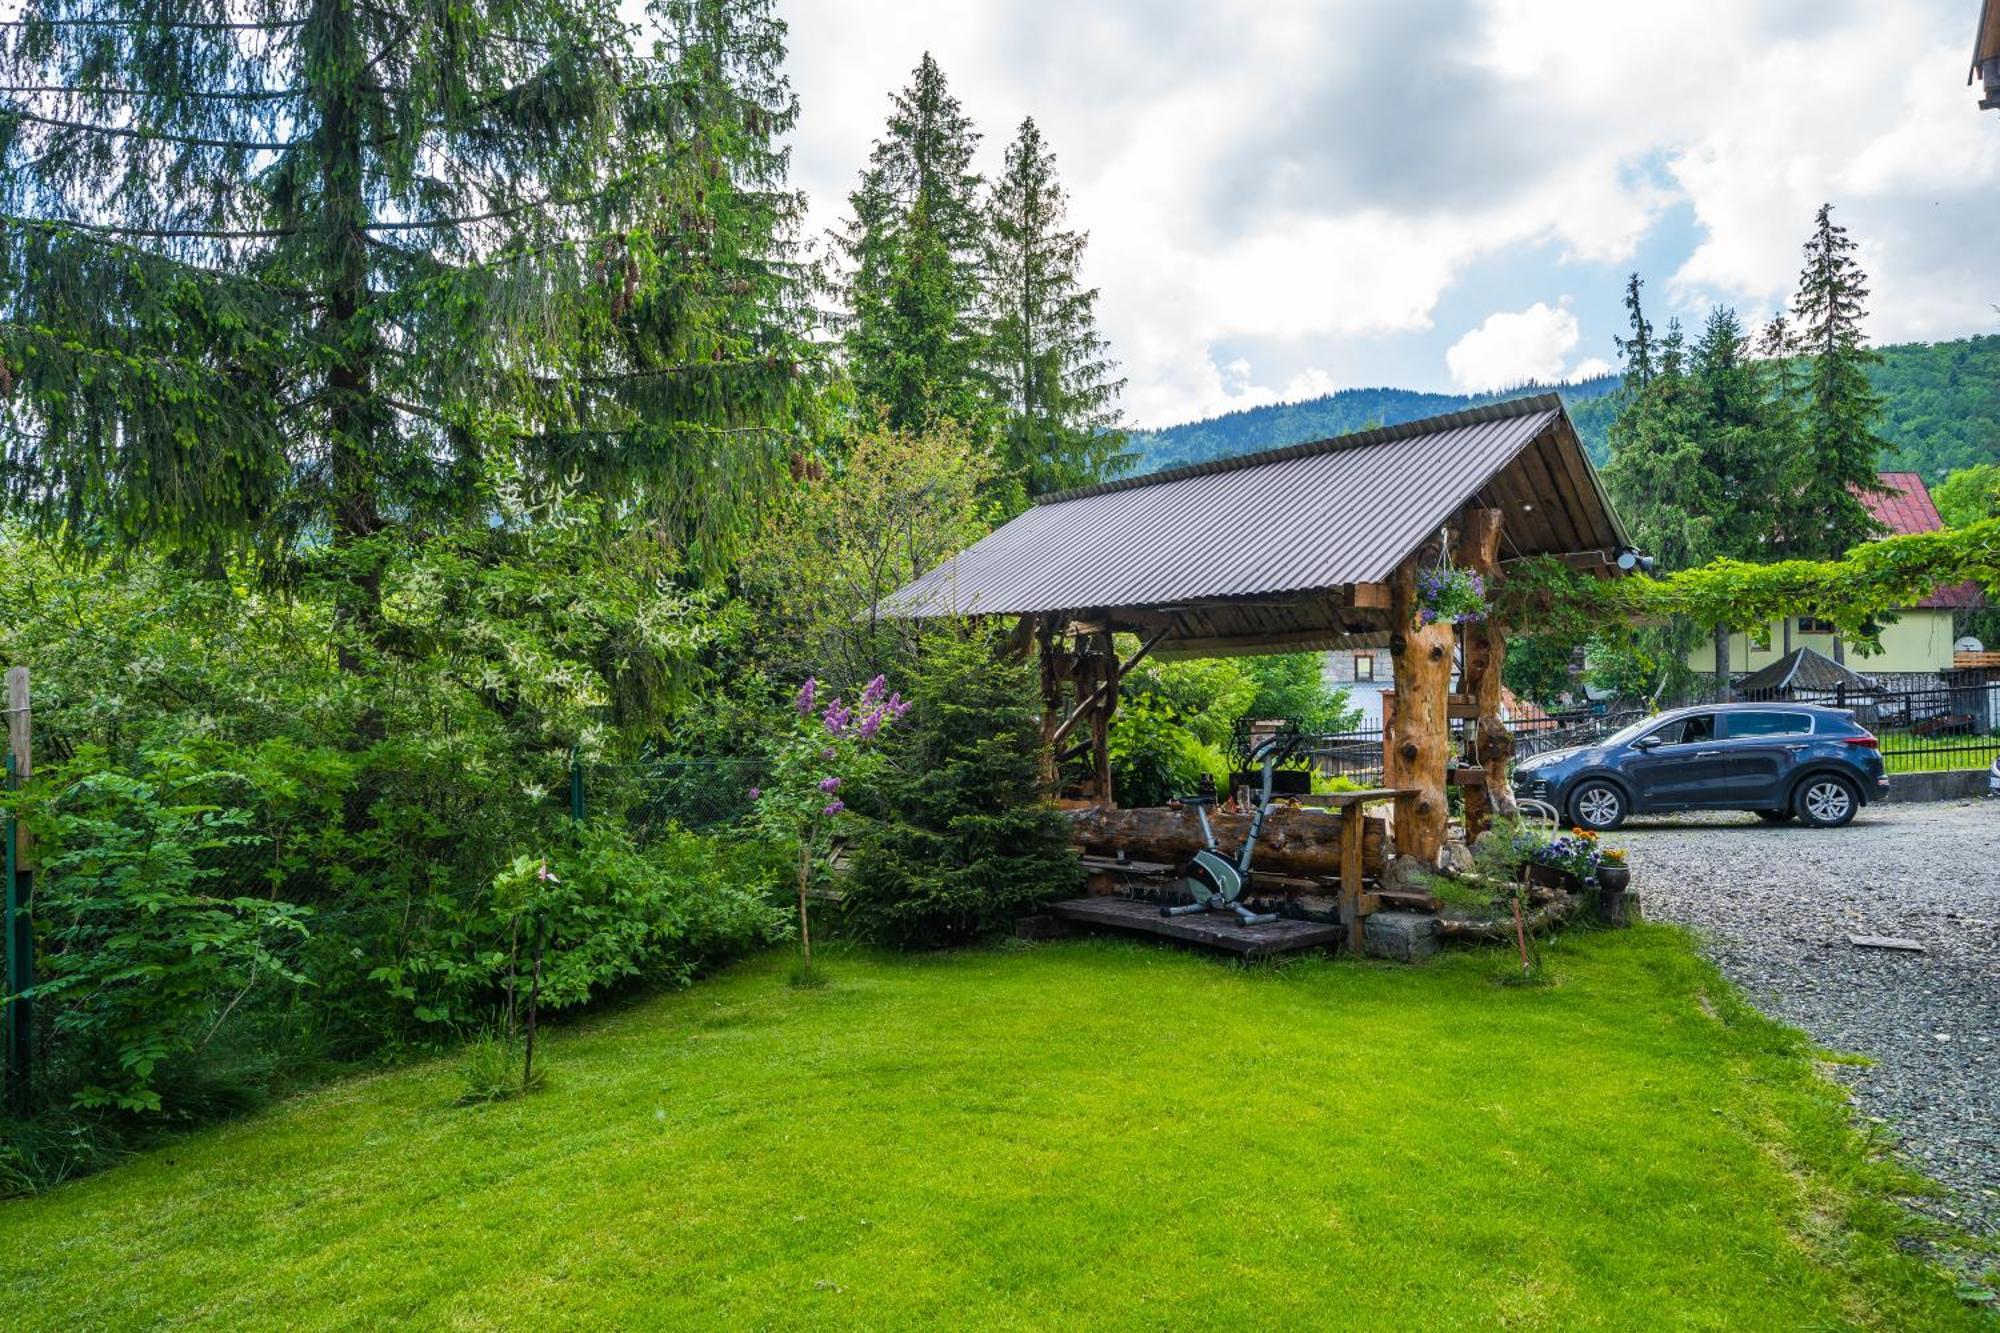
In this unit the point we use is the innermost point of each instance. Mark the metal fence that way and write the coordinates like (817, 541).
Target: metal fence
(1949, 727)
(1357, 755)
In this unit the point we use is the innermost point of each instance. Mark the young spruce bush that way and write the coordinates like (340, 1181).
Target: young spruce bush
(961, 837)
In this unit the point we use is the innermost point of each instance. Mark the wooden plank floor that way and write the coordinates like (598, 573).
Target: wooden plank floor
(1211, 930)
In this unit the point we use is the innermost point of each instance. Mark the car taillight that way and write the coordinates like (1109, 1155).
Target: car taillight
(1864, 740)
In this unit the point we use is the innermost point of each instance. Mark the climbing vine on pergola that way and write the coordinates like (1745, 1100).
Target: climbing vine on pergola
(1855, 593)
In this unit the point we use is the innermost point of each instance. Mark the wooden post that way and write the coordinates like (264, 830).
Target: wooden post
(1490, 743)
(1105, 685)
(1052, 709)
(1421, 723)
(1353, 828)
(18, 926)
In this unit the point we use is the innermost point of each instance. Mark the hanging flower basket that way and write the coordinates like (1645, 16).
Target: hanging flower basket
(1450, 596)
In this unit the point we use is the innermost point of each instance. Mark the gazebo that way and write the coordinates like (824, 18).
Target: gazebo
(1308, 547)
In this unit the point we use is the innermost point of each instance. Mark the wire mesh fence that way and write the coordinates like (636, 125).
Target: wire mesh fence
(656, 794)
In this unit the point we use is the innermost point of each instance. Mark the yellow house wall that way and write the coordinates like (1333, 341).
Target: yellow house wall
(1919, 641)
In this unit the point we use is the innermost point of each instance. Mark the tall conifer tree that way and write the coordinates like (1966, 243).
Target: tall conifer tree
(1839, 450)
(914, 248)
(307, 271)
(1051, 368)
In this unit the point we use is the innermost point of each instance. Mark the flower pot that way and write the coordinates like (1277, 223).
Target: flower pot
(1549, 877)
(1612, 881)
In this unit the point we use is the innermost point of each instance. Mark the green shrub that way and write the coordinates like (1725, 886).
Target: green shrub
(141, 960)
(607, 913)
(961, 837)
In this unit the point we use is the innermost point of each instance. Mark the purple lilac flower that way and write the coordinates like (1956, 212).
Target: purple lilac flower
(896, 706)
(834, 808)
(756, 793)
(804, 703)
(837, 716)
(829, 754)
(829, 785)
(874, 690)
(870, 725)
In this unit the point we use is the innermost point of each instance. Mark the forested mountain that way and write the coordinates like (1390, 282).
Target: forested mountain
(1941, 411)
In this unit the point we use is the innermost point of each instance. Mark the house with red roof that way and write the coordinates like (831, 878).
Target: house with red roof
(1917, 644)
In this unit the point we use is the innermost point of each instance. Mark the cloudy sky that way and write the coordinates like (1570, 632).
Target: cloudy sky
(1290, 196)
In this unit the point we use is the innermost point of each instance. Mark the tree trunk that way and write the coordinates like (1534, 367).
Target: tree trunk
(805, 919)
(1722, 686)
(347, 333)
(1301, 842)
(1492, 743)
(1420, 730)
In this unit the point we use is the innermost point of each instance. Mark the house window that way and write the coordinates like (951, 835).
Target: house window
(1364, 666)
(1814, 625)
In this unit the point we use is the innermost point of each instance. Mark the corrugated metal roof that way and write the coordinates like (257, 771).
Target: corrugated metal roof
(1306, 517)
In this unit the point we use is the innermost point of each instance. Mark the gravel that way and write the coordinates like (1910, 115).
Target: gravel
(1776, 905)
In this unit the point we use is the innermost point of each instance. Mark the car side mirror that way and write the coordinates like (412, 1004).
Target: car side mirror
(1646, 743)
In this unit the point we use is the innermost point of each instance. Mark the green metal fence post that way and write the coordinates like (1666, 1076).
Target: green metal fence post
(20, 945)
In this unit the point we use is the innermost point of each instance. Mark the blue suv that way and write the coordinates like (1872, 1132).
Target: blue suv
(1783, 761)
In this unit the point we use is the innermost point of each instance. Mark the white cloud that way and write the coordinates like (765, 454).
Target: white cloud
(1513, 347)
(1589, 368)
(1222, 213)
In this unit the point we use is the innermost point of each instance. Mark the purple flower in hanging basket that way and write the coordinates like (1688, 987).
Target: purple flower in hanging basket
(874, 690)
(807, 691)
(829, 785)
(834, 808)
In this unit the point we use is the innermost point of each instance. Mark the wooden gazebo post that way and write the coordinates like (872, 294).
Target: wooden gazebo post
(1420, 725)
(1491, 743)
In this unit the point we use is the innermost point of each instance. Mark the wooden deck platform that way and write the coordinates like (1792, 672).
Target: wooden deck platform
(1210, 930)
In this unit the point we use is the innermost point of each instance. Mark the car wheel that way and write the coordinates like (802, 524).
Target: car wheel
(1597, 806)
(1826, 800)
(1775, 816)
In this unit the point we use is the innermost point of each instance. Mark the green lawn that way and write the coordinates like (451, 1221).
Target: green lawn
(1904, 753)
(1060, 1136)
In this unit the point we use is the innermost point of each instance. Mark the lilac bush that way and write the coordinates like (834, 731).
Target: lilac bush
(827, 746)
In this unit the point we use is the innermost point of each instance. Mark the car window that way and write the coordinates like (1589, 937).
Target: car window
(1687, 730)
(1769, 724)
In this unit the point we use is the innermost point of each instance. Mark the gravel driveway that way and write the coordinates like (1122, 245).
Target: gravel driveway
(1777, 904)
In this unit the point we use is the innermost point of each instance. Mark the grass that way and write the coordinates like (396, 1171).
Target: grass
(1904, 753)
(1080, 1134)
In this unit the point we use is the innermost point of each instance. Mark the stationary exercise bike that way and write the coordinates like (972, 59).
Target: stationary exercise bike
(1215, 883)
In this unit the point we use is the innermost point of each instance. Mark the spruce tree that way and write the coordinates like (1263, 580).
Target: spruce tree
(914, 249)
(961, 837)
(1839, 450)
(1658, 474)
(1049, 364)
(306, 278)
(1638, 348)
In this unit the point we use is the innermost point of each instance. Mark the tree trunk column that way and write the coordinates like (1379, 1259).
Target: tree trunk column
(1103, 682)
(1490, 744)
(1419, 727)
(1053, 661)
